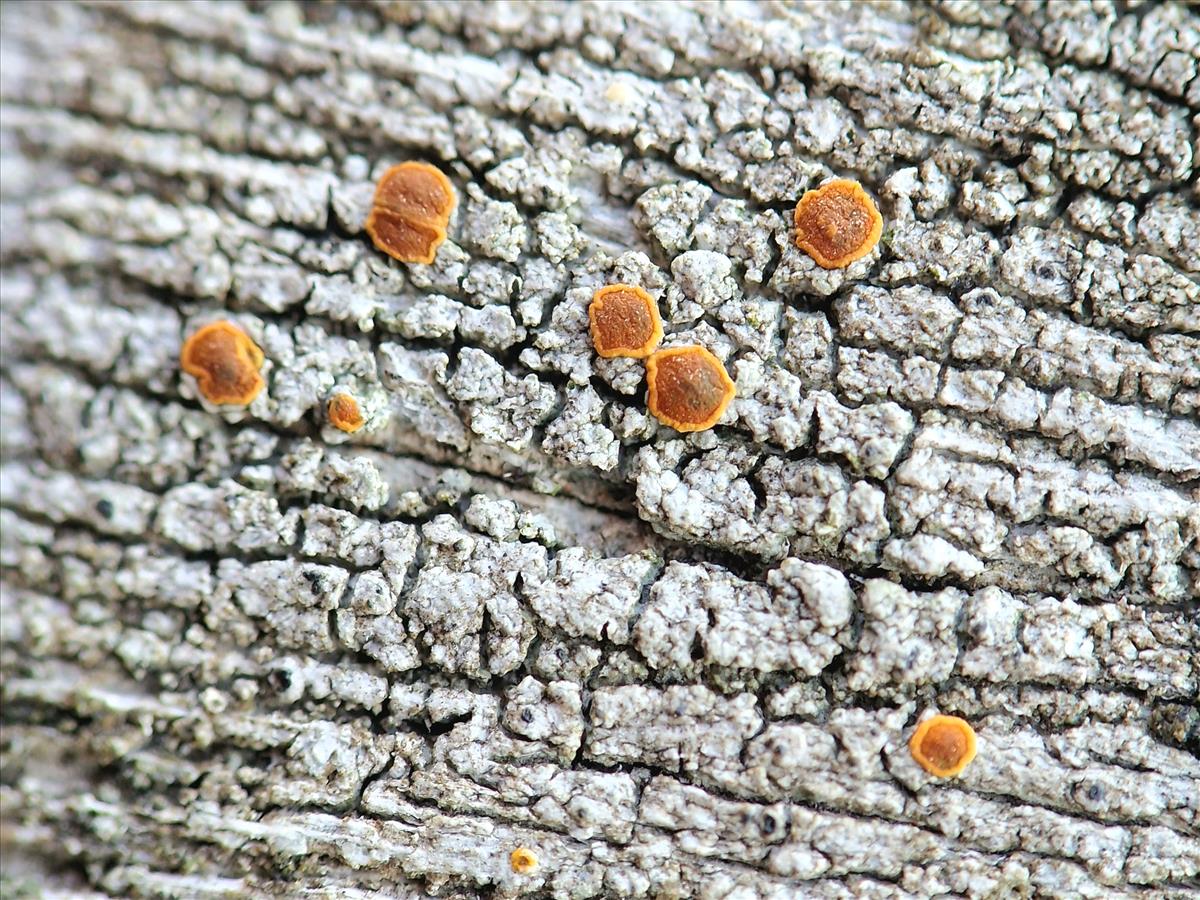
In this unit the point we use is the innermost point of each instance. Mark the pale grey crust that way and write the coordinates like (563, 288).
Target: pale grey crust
(247, 654)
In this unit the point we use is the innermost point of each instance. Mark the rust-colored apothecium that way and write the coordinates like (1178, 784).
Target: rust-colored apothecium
(624, 321)
(411, 211)
(225, 363)
(943, 745)
(344, 412)
(689, 388)
(837, 223)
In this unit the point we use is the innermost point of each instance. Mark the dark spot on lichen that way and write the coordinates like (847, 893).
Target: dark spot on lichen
(279, 680)
(313, 579)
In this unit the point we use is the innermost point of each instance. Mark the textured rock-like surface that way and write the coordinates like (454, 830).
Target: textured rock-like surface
(246, 654)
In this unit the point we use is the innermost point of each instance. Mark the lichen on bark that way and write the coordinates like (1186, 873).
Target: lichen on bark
(245, 653)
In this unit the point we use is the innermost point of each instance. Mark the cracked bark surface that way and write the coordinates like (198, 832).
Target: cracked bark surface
(246, 654)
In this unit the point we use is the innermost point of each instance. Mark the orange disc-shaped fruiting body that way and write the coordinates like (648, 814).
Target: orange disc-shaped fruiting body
(411, 210)
(837, 223)
(523, 860)
(624, 321)
(224, 362)
(689, 388)
(943, 745)
(344, 413)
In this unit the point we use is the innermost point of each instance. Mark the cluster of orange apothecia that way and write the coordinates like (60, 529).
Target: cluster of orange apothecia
(689, 388)
(408, 220)
(226, 364)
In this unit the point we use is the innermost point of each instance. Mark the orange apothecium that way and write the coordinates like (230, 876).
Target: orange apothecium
(411, 211)
(624, 321)
(225, 363)
(344, 412)
(689, 388)
(837, 223)
(943, 745)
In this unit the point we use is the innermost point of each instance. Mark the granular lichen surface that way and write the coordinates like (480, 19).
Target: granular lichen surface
(247, 654)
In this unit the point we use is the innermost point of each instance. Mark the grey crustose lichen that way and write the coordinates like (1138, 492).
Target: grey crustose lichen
(246, 654)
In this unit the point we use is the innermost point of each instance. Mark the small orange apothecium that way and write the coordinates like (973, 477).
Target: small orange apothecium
(624, 321)
(410, 212)
(224, 362)
(344, 412)
(523, 860)
(837, 223)
(943, 745)
(689, 388)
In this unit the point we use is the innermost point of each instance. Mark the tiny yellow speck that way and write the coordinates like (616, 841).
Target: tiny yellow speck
(620, 92)
(523, 860)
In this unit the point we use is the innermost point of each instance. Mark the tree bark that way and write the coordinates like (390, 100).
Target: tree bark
(247, 654)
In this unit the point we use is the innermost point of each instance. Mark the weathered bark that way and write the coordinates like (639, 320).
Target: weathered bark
(246, 654)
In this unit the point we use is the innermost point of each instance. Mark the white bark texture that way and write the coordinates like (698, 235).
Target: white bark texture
(245, 654)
